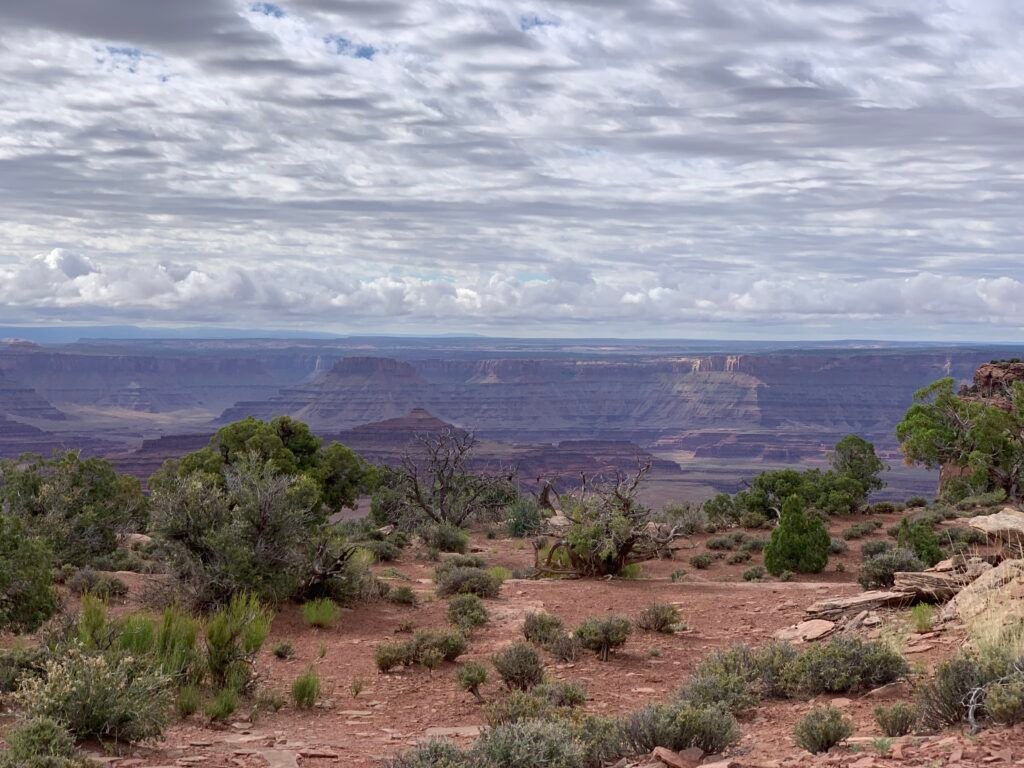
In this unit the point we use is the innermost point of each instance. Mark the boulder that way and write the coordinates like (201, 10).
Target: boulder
(1007, 525)
(836, 607)
(688, 758)
(998, 589)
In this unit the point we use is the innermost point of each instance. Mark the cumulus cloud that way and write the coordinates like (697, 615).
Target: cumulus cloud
(658, 167)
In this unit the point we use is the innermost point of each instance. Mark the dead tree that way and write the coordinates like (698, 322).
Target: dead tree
(602, 528)
(440, 487)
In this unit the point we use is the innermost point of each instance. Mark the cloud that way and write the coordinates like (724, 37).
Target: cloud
(583, 166)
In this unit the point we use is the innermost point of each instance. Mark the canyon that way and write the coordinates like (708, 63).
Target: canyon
(708, 414)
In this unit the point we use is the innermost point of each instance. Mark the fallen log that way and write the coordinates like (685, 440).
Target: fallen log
(834, 608)
(930, 587)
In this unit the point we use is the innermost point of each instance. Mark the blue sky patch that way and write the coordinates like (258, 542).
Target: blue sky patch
(532, 21)
(268, 9)
(345, 47)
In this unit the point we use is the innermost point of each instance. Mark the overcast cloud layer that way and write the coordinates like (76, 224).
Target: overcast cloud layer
(760, 168)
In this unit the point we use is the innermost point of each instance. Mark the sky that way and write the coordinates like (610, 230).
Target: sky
(653, 168)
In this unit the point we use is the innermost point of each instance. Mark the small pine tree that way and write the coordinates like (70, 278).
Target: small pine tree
(801, 542)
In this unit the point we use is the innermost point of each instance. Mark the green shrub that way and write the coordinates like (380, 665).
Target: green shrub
(530, 744)
(321, 613)
(436, 753)
(306, 689)
(897, 719)
(382, 551)
(121, 698)
(921, 616)
(753, 519)
(601, 739)
(500, 573)
(882, 508)
(446, 538)
(403, 595)
(603, 635)
(459, 561)
(542, 628)
(821, 729)
(234, 635)
(920, 539)
(177, 648)
(101, 585)
(879, 572)
(471, 676)
(27, 598)
(843, 665)
(517, 706)
(754, 544)
(837, 546)
(859, 530)
(660, 617)
(387, 656)
(876, 547)
(943, 699)
(738, 557)
(519, 666)
(524, 518)
(565, 648)
(687, 519)
(1004, 700)
(467, 581)
(916, 501)
(21, 662)
(757, 573)
(786, 576)
(737, 678)
(561, 693)
(702, 561)
(39, 742)
(188, 701)
(800, 543)
(284, 650)
(467, 612)
(425, 648)
(679, 726)
(223, 705)
(718, 543)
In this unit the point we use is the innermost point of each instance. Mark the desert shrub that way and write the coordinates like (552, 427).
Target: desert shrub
(470, 676)
(382, 551)
(402, 595)
(877, 547)
(176, 647)
(738, 677)
(943, 699)
(517, 706)
(1004, 700)
(821, 729)
(40, 742)
(722, 511)
(102, 585)
(116, 697)
(921, 616)
(800, 543)
(965, 537)
(601, 739)
(542, 628)
(436, 753)
(27, 598)
(446, 538)
(561, 693)
(842, 665)
(284, 650)
(754, 544)
(603, 635)
(921, 540)
(306, 689)
(859, 530)
(880, 571)
(459, 561)
(756, 573)
(223, 705)
(20, 662)
(565, 648)
(530, 744)
(467, 612)
(881, 508)
(660, 617)
(499, 573)
(718, 543)
(467, 581)
(321, 613)
(687, 518)
(897, 719)
(519, 666)
(702, 561)
(423, 649)
(738, 557)
(681, 725)
(524, 518)
(837, 546)
(916, 501)
(753, 519)
(234, 635)
(188, 701)
(786, 576)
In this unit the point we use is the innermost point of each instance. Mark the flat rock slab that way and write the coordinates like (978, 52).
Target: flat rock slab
(1000, 587)
(279, 758)
(837, 607)
(1005, 525)
(468, 731)
(806, 631)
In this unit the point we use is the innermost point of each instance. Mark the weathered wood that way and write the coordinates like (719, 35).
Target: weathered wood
(836, 607)
(932, 587)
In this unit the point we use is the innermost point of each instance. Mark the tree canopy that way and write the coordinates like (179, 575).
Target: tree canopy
(984, 442)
